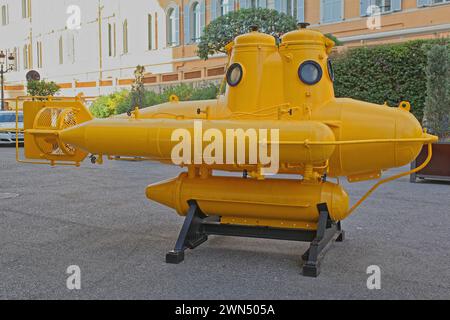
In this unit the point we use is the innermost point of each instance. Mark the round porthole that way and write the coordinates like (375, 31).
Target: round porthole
(310, 72)
(330, 69)
(234, 74)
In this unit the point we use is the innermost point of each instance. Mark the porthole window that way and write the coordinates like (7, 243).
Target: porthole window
(234, 74)
(330, 69)
(310, 72)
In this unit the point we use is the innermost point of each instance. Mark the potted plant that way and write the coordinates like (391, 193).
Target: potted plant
(436, 115)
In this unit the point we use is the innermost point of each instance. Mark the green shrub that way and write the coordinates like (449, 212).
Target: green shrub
(387, 73)
(437, 103)
(124, 105)
(42, 88)
(106, 106)
(209, 92)
(152, 98)
(182, 91)
(122, 102)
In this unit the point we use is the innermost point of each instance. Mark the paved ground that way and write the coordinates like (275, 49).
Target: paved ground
(97, 217)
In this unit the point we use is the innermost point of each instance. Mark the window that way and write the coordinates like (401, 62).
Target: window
(25, 9)
(4, 15)
(61, 50)
(172, 26)
(71, 48)
(331, 10)
(294, 8)
(330, 70)
(384, 5)
(291, 7)
(112, 40)
(234, 74)
(439, 1)
(423, 3)
(196, 18)
(125, 36)
(221, 7)
(16, 59)
(149, 32)
(310, 72)
(39, 54)
(254, 4)
(376, 7)
(26, 58)
(156, 30)
(224, 7)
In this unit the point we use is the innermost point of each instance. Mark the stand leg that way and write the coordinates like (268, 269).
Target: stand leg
(413, 176)
(190, 236)
(341, 237)
(326, 232)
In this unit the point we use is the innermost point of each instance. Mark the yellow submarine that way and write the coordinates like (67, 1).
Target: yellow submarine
(285, 89)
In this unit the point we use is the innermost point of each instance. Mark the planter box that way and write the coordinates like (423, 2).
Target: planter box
(439, 167)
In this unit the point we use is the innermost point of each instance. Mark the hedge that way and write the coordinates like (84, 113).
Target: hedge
(386, 73)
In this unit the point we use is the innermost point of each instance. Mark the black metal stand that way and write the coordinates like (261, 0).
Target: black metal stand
(413, 176)
(197, 227)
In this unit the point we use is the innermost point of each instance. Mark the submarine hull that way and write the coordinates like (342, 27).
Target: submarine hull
(281, 203)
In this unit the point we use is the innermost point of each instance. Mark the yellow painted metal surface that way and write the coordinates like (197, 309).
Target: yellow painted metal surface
(44, 120)
(152, 138)
(318, 135)
(249, 201)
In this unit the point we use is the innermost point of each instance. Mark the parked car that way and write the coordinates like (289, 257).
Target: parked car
(8, 127)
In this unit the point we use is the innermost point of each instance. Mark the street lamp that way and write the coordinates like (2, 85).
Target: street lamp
(5, 69)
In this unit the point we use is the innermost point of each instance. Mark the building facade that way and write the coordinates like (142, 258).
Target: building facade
(93, 46)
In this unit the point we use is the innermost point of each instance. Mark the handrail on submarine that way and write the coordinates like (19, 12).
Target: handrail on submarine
(349, 142)
(398, 176)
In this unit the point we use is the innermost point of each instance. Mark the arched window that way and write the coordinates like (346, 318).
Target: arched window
(25, 9)
(221, 7)
(196, 18)
(125, 36)
(172, 26)
(5, 15)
